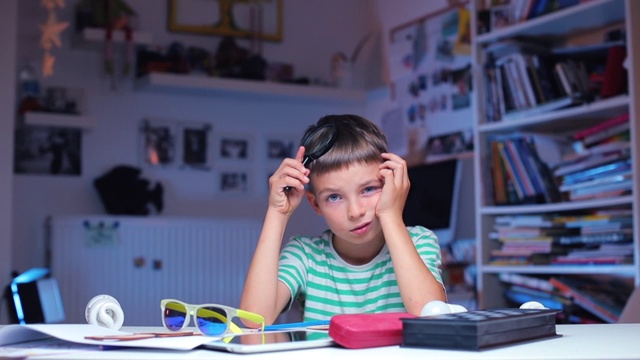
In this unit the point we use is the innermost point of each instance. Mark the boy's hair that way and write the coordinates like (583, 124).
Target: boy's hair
(358, 141)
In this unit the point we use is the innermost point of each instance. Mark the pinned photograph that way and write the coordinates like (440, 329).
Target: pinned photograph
(195, 145)
(158, 142)
(279, 147)
(234, 182)
(48, 150)
(234, 147)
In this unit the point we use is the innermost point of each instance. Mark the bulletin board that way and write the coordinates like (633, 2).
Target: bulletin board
(430, 70)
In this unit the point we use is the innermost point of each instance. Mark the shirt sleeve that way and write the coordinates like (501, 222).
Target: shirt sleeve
(428, 248)
(292, 267)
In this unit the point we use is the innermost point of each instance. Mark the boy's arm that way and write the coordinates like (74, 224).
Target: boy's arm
(417, 284)
(263, 293)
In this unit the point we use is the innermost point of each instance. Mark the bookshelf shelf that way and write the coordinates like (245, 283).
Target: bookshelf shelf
(515, 155)
(561, 269)
(596, 13)
(567, 118)
(555, 207)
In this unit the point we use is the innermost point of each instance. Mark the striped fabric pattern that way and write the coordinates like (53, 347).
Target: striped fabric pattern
(310, 267)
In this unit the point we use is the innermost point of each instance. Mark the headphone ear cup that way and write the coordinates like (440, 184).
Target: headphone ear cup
(105, 311)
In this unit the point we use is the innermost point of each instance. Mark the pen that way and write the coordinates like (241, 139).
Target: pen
(303, 324)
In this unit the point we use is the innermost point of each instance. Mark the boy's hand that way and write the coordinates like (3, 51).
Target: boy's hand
(393, 173)
(286, 185)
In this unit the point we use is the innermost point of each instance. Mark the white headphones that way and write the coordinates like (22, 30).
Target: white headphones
(105, 311)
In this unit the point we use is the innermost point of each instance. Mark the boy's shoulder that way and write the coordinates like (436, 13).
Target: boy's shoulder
(314, 240)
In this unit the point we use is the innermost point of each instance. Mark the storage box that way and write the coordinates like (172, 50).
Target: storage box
(479, 329)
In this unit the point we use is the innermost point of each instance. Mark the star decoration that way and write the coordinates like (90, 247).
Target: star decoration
(52, 4)
(47, 64)
(51, 32)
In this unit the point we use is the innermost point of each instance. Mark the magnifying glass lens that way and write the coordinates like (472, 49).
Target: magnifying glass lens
(318, 142)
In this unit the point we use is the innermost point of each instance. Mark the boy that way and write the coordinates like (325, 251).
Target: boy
(368, 261)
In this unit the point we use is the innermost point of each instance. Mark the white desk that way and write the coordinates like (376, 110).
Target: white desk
(606, 341)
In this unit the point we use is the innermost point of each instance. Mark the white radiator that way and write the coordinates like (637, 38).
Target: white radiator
(140, 261)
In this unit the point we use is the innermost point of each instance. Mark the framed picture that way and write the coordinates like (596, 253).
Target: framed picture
(277, 147)
(234, 147)
(261, 19)
(48, 150)
(234, 181)
(158, 142)
(195, 145)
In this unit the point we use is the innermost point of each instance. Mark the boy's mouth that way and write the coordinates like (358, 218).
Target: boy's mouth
(361, 229)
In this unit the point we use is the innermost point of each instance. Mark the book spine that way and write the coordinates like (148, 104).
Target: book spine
(510, 167)
(520, 168)
(593, 239)
(499, 183)
(584, 301)
(605, 133)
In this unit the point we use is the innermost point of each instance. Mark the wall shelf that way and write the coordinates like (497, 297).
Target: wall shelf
(204, 85)
(94, 38)
(63, 120)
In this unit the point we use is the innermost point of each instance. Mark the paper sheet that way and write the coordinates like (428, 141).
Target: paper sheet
(75, 333)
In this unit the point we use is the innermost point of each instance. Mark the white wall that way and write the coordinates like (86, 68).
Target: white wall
(309, 40)
(8, 19)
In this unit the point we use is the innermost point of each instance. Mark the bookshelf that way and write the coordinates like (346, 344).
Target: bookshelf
(551, 131)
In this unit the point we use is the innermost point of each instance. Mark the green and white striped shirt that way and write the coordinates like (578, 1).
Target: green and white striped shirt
(310, 267)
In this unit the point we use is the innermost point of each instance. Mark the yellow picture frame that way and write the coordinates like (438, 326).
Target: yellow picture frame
(259, 19)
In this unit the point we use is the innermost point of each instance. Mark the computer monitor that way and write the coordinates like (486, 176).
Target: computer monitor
(433, 198)
(33, 298)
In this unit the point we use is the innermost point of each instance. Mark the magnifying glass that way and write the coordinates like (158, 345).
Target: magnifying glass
(318, 142)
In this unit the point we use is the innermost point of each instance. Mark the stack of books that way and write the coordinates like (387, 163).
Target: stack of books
(519, 175)
(597, 238)
(601, 166)
(581, 299)
(525, 77)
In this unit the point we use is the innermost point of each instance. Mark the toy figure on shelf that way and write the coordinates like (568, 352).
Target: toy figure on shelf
(51, 34)
(111, 15)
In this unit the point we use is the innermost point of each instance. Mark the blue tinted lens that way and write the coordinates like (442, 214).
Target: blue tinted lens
(212, 320)
(174, 316)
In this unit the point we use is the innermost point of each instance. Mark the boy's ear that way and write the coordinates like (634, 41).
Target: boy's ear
(311, 197)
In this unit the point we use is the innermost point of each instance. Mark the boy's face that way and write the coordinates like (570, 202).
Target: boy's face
(347, 199)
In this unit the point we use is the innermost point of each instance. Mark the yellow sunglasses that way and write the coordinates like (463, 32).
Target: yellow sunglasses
(210, 319)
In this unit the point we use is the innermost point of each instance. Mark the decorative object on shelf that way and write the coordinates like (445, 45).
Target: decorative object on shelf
(110, 15)
(29, 90)
(342, 65)
(430, 70)
(48, 150)
(51, 34)
(123, 191)
(235, 18)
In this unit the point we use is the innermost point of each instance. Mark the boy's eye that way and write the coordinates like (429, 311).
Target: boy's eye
(333, 197)
(369, 189)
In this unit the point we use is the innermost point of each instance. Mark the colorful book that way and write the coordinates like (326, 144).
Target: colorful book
(601, 126)
(617, 237)
(526, 280)
(593, 295)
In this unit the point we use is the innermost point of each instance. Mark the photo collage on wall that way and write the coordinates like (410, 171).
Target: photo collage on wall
(430, 68)
(235, 158)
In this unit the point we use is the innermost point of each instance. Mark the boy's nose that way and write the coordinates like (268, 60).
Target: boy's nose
(356, 210)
